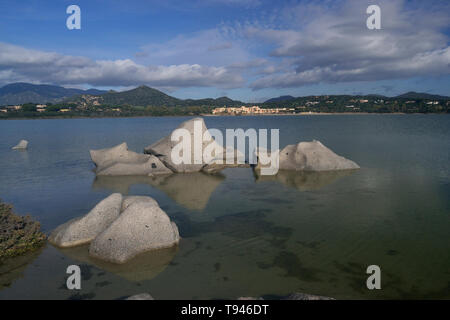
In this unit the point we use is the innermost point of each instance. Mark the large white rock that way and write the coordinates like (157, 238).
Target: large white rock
(83, 230)
(22, 145)
(163, 148)
(141, 227)
(311, 156)
(119, 161)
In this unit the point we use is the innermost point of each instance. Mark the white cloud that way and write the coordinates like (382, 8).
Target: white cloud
(336, 46)
(21, 64)
(211, 47)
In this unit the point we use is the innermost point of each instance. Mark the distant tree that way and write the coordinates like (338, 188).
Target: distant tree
(29, 107)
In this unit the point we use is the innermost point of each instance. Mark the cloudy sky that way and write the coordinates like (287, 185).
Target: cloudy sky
(246, 49)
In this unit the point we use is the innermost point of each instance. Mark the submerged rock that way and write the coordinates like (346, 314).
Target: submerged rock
(305, 296)
(22, 145)
(83, 230)
(119, 161)
(141, 296)
(197, 130)
(292, 296)
(311, 156)
(141, 227)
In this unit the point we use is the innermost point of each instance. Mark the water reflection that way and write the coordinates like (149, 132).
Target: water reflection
(191, 190)
(13, 268)
(145, 266)
(304, 180)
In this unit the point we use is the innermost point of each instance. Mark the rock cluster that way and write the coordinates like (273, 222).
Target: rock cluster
(119, 161)
(119, 228)
(157, 158)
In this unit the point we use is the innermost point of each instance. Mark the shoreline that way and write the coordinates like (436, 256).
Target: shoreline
(223, 115)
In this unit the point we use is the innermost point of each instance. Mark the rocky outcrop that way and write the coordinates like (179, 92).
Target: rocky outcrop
(141, 227)
(119, 161)
(197, 130)
(118, 229)
(18, 234)
(83, 230)
(22, 145)
(311, 156)
(159, 158)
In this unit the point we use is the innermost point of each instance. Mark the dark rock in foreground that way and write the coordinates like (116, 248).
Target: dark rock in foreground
(18, 235)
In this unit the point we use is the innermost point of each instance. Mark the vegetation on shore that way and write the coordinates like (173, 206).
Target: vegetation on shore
(145, 101)
(18, 234)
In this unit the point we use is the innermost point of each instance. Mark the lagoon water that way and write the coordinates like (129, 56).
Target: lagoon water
(242, 236)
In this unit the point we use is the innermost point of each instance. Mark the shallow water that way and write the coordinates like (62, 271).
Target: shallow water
(243, 236)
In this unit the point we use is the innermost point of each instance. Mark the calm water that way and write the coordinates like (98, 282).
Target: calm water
(243, 236)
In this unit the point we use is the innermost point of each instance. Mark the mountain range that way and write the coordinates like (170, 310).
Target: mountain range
(408, 95)
(20, 93)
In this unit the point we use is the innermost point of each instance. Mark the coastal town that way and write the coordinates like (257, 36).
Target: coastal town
(146, 101)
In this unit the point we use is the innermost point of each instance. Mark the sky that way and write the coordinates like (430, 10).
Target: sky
(250, 50)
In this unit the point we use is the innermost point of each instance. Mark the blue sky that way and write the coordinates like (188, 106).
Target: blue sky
(249, 49)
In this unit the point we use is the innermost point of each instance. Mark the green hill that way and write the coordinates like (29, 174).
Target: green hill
(19, 93)
(419, 95)
(146, 96)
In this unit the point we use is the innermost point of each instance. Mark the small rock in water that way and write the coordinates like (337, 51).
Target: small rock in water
(22, 145)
